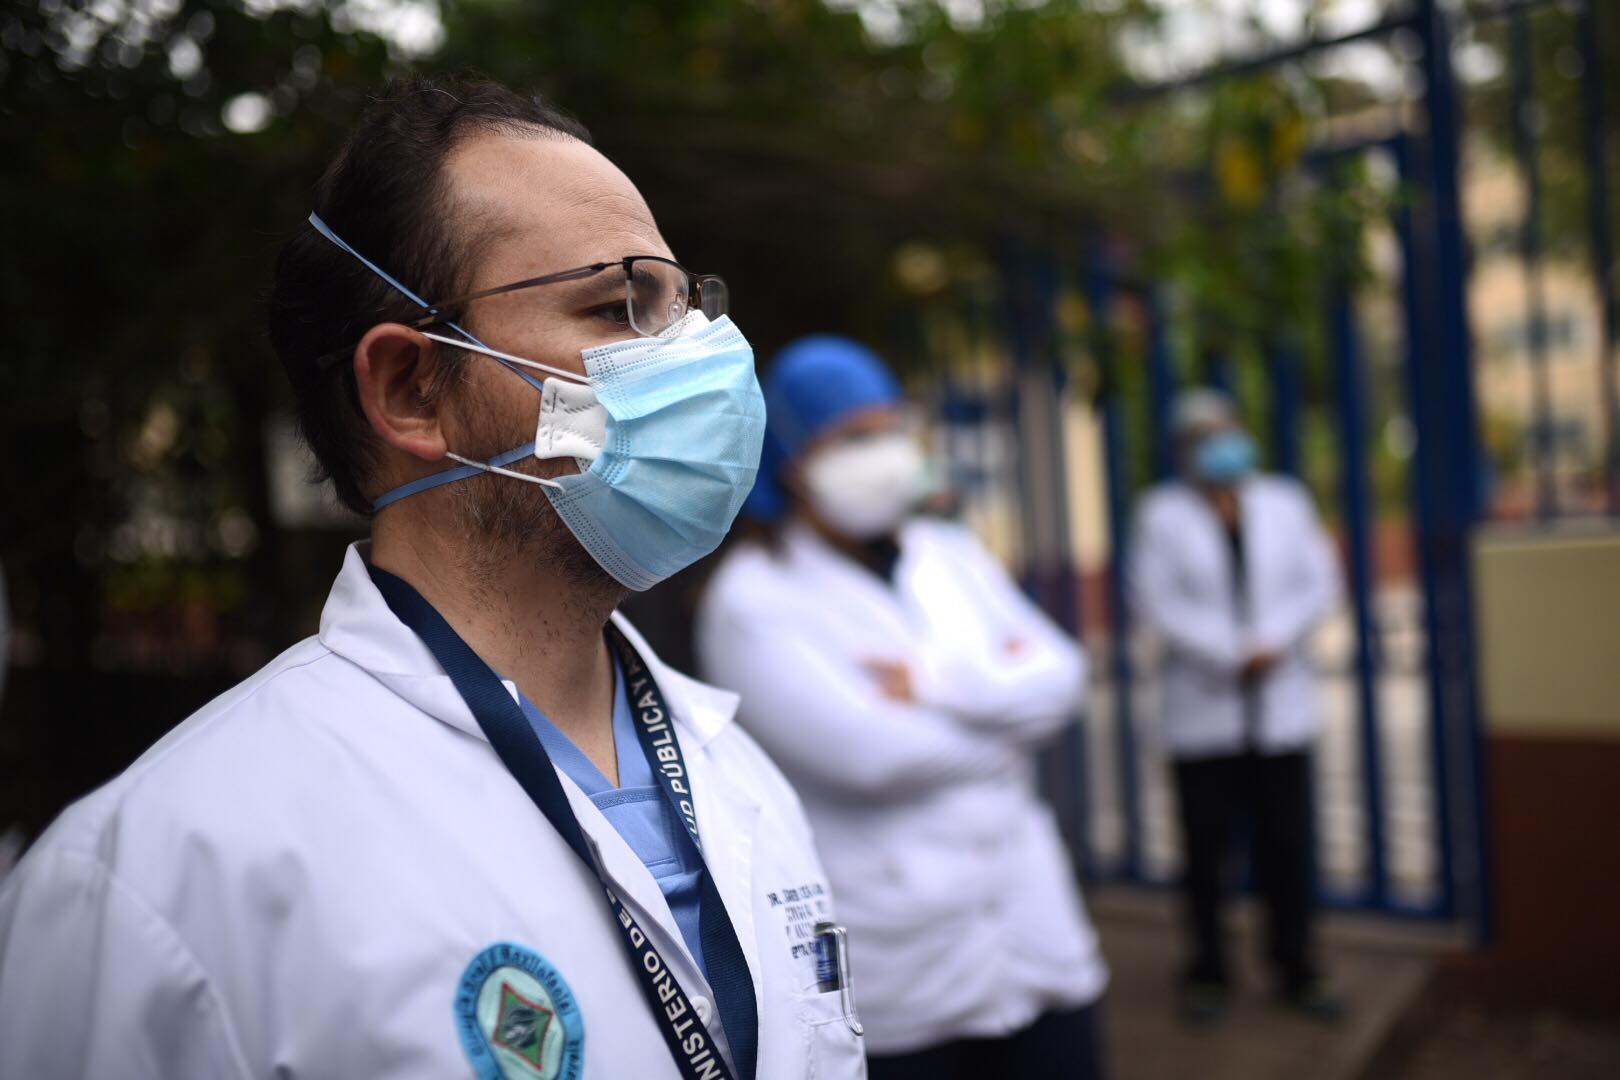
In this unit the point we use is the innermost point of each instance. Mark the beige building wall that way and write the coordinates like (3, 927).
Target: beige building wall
(1494, 201)
(1547, 605)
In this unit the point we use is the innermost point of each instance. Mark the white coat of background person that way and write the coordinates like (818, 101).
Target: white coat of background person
(1232, 571)
(472, 828)
(903, 683)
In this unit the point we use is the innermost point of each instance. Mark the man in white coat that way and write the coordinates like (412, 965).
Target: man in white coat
(472, 827)
(904, 683)
(1233, 571)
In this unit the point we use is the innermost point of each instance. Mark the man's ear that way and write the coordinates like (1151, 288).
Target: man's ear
(393, 366)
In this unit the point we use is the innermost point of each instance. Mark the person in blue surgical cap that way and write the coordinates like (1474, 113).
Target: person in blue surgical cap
(902, 681)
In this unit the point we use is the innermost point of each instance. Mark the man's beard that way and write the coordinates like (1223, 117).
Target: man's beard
(509, 520)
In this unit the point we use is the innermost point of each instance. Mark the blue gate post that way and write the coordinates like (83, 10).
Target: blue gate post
(1352, 420)
(1032, 295)
(1016, 315)
(1282, 365)
(1447, 424)
(1218, 372)
(1161, 383)
(1595, 136)
(1099, 289)
(1422, 477)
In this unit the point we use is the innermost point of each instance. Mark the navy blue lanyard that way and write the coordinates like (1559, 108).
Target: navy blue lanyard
(525, 757)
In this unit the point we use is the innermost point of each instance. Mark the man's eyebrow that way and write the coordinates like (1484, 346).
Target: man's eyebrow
(609, 280)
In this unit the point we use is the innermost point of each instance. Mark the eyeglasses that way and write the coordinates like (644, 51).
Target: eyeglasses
(658, 292)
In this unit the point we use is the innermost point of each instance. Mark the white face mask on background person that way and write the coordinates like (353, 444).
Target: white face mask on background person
(866, 486)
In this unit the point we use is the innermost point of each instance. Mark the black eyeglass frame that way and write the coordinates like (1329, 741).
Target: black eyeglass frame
(447, 311)
(694, 286)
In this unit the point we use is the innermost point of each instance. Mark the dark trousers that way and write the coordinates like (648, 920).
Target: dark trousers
(1058, 1046)
(1274, 792)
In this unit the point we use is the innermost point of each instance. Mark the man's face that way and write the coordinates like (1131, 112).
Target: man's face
(1197, 436)
(528, 207)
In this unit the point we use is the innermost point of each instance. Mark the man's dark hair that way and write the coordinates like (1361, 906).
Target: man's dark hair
(386, 195)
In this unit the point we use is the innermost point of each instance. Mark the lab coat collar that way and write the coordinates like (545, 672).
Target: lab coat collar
(357, 624)
(812, 559)
(702, 710)
(728, 852)
(635, 887)
(805, 547)
(1204, 512)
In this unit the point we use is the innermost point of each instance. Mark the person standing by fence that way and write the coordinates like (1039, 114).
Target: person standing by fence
(1232, 571)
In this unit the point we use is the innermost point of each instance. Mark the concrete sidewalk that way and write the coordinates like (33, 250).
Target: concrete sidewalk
(1378, 966)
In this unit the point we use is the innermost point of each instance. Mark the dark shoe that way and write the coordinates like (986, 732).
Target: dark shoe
(1314, 1002)
(1203, 1004)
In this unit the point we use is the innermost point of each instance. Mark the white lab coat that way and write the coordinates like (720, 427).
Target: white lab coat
(293, 881)
(1182, 588)
(963, 914)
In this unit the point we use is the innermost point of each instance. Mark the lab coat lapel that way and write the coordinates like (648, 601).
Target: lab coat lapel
(633, 883)
(358, 625)
(1205, 529)
(726, 810)
(1257, 555)
(723, 808)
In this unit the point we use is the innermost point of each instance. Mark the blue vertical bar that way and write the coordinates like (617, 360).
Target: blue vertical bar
(1099, 301)
(992, 407)
(1350, 394)
(1218, 372)
(1032, 294)
(1010, 405)
(952, 407)
(1595, 139)
(1062, 586)
(1426, 475)
(1453, 358)
(1069, 754)
(1282, 362)
(1449, 413)
(1524, 146)
(1161, 383)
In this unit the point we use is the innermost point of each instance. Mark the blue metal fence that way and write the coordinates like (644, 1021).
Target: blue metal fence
(1446, 473)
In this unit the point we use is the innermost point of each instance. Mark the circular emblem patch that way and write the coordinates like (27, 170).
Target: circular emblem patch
(518, 1018)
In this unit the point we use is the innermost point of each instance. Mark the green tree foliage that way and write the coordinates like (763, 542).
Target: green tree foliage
(1555, 110)
(842, 171)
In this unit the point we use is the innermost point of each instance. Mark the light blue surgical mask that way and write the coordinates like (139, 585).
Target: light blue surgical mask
(666, 431)
(1224, 458)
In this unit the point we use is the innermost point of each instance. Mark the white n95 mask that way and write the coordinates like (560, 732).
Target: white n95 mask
(866, 486)
(572, 423)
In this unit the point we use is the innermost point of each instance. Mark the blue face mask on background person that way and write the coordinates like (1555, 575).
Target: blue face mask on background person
(666, 431)
(1225, 458)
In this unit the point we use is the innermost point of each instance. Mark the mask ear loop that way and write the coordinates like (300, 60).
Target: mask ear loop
(471, 343)
(508, 358)
(449, 475)
(513, 473)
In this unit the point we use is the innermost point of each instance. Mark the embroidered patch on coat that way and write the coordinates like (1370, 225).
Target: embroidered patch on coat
(518, 1018)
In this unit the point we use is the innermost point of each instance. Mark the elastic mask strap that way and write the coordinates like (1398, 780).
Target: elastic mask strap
(461, 472)
(508, 358)
(471, 343)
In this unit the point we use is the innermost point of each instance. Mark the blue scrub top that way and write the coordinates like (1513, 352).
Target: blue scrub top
(637, 808)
